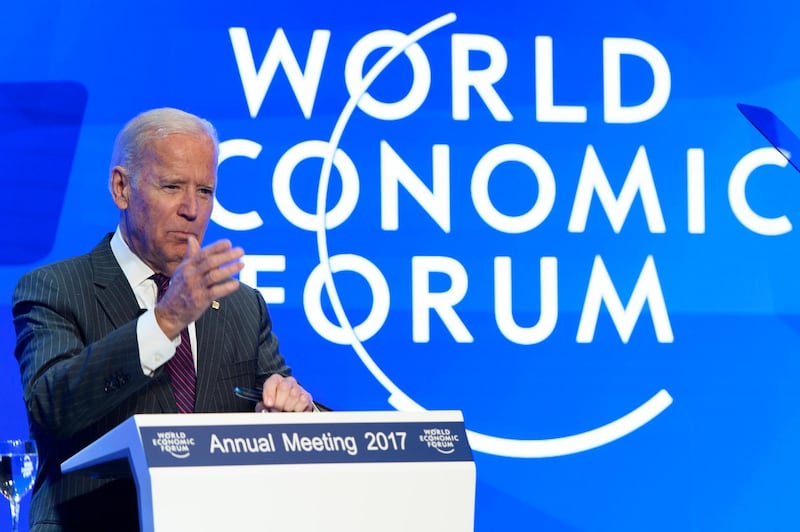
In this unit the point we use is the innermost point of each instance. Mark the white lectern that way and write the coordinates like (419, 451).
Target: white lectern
(348, 471)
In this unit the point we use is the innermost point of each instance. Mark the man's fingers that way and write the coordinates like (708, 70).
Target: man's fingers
(219, 246)
(218, 253)
(223, 289)
(217, 262)
(284, 394)
(270, 390)
(222, 275)
(192, 247)
(212, 265)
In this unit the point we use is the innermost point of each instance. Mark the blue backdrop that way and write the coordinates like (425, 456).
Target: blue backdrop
(549, 215)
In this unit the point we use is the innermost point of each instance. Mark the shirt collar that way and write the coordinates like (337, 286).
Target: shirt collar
(135, 270)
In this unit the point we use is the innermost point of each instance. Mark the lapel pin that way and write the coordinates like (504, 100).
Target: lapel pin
(215, 305)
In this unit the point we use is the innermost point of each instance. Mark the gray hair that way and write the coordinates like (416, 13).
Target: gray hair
(152, 125)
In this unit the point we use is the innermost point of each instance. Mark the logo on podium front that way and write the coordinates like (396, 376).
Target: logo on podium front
(174, 443)
(442, 440)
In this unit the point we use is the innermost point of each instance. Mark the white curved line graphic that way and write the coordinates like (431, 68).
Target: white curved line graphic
(576, 443)
(397, 397)
(322, 193)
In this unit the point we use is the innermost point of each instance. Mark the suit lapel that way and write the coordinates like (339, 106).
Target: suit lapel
(112, 289)
(210, 341)
(115, 296)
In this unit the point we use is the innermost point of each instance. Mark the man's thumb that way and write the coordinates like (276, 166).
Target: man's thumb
(192, 246)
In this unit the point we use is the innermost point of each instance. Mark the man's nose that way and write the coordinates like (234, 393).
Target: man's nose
(189, 205)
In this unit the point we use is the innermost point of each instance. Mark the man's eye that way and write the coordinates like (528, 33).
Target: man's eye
(207, 191)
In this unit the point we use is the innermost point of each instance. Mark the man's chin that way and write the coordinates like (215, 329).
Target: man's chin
(175, 254)
(178, 247)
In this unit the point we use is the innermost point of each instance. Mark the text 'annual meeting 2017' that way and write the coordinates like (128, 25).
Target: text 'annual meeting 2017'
(291, 443)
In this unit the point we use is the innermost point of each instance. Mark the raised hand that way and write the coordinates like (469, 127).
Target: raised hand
(203, 276)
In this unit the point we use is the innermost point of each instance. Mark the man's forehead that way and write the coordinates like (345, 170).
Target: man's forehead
(174, 146)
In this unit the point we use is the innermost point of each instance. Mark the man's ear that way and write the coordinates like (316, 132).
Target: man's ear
(119, 183)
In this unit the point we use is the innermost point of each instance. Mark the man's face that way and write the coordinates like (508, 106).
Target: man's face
(168, 200)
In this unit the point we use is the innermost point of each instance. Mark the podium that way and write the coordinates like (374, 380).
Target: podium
(340, 471)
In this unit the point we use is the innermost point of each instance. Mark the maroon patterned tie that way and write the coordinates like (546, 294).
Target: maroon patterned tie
(181, 366)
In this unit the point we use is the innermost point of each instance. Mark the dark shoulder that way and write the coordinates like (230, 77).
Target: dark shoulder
(72, 272)
(246, 301)
(245, 294)
(67, 270)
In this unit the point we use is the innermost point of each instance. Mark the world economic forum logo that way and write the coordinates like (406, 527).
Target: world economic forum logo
(434, 200)
(399, 399)
(175, 443)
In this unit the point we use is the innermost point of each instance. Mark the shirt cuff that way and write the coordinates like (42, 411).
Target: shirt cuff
(155, 349)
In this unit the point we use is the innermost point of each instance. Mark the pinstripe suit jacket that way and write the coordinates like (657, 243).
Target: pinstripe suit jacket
(78, 355)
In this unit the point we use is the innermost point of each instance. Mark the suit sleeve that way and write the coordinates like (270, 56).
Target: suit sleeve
(68, 383)
(270, 360)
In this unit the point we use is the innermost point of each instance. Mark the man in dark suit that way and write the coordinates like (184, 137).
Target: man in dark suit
(147, 322)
